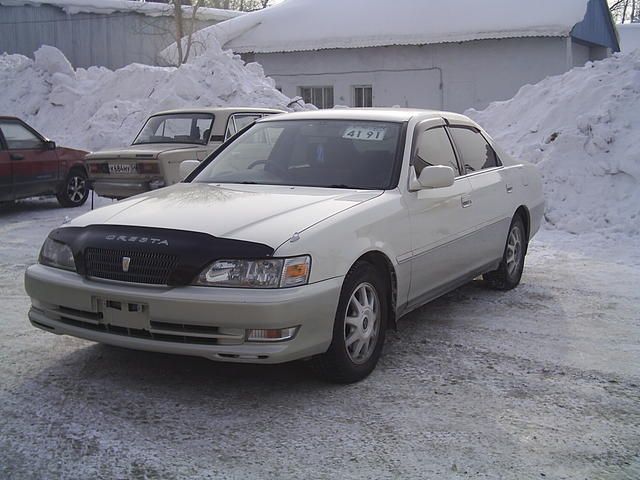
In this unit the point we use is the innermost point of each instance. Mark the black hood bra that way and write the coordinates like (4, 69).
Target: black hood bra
(187, 253)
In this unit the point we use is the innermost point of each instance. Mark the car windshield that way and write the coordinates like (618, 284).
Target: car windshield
(316, 153)
(176, 128)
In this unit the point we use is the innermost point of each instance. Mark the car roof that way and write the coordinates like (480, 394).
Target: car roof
(215, 110)
(373, 114)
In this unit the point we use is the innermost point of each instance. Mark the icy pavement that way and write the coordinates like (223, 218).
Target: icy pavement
(543, 381)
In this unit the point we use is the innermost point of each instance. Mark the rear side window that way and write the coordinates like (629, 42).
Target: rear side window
(433, 147)
(476, 154)
(19, 137)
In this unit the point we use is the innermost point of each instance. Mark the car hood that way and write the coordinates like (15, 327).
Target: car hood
(143, 151)
(259, 213)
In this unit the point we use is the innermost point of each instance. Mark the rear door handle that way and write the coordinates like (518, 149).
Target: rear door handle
(17, 156)
(466, 201)
(509, 188)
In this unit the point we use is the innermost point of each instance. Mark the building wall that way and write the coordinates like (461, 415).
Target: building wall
(87, 39)
(629, 36)
(452, 76)
(581, 54)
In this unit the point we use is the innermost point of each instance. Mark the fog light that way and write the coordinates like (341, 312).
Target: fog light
(271, 335)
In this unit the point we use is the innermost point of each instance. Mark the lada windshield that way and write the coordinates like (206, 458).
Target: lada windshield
(316, 153)
(176, 128)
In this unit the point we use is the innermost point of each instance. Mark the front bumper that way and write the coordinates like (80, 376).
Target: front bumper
(200, 321)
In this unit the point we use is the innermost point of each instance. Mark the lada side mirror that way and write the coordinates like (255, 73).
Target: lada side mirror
(437, 176)
(188, 166)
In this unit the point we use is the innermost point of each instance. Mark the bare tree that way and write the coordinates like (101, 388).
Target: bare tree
(181, 26)
(625, 11)
(241, 5)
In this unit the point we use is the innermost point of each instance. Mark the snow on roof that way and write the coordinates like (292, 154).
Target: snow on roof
(629, 36)
(110, 6)
(297, 25)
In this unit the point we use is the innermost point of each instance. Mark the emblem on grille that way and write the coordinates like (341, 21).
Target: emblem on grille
(125, 263)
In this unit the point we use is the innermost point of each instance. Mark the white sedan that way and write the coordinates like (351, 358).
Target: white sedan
(305, 237)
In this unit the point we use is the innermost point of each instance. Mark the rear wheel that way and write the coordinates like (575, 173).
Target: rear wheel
(359, 327)
(74, 191)
(509, 273)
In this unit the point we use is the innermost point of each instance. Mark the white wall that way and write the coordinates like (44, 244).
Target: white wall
(581, 54)
(629, 36)
(473, 73)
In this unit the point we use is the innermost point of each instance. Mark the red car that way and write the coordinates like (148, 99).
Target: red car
(32, 165)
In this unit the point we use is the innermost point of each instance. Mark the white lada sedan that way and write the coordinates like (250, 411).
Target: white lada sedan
(305, 237)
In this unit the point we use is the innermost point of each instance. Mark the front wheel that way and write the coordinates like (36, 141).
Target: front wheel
(359, 327)
(509, 273)
(74, 191)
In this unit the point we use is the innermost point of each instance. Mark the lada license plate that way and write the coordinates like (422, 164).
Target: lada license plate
(122, 168)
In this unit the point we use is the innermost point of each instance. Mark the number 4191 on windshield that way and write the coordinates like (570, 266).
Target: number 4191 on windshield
(365, 133)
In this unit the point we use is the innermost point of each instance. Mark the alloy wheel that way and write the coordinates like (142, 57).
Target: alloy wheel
(362, 323)
(514, 250)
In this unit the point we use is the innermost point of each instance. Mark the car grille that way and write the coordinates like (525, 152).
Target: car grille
(144, 267)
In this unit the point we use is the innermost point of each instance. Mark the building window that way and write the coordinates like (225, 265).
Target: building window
(321, 97)
(363, 96)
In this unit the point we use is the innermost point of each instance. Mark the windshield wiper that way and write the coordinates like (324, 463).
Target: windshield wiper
(341, 185)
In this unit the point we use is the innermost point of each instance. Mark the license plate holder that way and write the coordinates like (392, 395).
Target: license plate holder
(124, 313)
(122, 169)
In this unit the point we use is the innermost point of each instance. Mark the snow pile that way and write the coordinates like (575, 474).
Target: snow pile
(297, 25)
(582, 130)
(96, 108)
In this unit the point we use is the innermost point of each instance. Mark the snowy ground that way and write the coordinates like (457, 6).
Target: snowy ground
(540, 382)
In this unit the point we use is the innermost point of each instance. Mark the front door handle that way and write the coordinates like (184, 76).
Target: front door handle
(466, 201)
(509, 188)
(17, 156)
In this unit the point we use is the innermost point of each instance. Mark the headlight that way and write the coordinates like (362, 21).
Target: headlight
(265, 273)
(57, 254)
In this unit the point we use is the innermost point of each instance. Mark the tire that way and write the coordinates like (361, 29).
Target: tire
(509, 273)
(358, 333)
(75, 191)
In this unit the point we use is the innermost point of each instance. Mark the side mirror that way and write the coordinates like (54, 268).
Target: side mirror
(188, 166)
(50, 145)
(437, 176)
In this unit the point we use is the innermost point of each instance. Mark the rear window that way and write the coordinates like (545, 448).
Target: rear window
(176, 128)
(476, 154)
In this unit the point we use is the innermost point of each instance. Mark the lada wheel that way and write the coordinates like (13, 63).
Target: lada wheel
(509, 273)
(359, 327)
(74, 191)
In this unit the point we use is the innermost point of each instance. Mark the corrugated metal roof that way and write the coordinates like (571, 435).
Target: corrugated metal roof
(111, 6)
(299, 25)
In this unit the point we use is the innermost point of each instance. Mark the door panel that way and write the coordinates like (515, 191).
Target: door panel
(491, 204)
(35, 171)
(6, 182)
(34, 167)
(439, 226)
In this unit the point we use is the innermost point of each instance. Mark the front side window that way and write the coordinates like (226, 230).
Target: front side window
(315, 153)
(363, 96)
(176, 128)
(321, 97)
(19, 137)
(476, 153)
(433, 147)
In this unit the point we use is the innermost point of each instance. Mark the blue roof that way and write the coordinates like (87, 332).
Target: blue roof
(597, 28)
